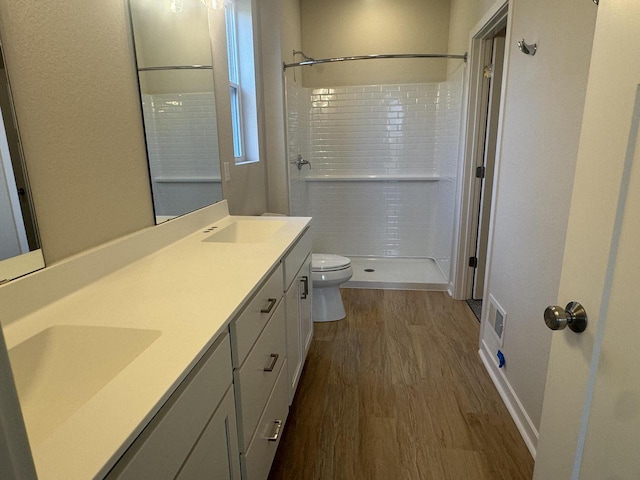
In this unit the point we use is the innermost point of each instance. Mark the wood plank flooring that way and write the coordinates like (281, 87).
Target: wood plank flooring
(397, 391)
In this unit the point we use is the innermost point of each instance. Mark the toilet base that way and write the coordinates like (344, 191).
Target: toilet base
(327, 304)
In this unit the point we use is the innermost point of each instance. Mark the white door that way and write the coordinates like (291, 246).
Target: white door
(591, 416)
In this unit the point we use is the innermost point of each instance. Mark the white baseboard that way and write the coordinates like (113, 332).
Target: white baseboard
(525, 426)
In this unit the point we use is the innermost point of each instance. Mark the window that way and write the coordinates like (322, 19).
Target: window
(234, 81)
(242, 80)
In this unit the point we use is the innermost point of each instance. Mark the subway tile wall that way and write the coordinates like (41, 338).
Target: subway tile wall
(408, 130)
(378, 219)
(447, 148)
(374, 129)
(182, 144)
(299, 141)
(182, 134)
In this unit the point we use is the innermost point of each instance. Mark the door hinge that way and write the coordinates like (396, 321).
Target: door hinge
(473, 262)
(488, 71)
(480, 172)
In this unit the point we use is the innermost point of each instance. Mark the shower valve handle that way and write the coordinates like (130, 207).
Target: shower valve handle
(299, 161)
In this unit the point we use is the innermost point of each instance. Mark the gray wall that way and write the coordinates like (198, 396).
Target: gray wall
(337, 28)
(544, 98)
(74, 82)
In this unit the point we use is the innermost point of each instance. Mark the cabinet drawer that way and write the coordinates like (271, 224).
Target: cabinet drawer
(163, 445)
(247, 327)
(253, 384)
(257, 461)
(295, 258)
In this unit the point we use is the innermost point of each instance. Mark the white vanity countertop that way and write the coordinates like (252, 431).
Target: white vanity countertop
(188, 291)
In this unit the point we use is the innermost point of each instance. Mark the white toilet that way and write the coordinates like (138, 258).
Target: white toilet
(328, 272)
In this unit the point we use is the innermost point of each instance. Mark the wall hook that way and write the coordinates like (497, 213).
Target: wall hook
(529, 49)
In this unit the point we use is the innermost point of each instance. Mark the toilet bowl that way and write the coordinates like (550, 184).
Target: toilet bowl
(328, 272)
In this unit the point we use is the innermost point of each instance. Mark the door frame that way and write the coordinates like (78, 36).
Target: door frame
(494, 95)
(471, 150)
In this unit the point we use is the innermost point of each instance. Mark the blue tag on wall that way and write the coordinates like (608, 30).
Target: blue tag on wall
(500, 356)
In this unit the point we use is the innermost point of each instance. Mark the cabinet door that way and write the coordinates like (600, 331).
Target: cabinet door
(306, 322)
(216, 454)
(294, 354)
(299, 324)
(162, 447)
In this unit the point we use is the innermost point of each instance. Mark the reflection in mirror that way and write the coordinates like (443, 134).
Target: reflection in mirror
(20, 251)
(173, 54)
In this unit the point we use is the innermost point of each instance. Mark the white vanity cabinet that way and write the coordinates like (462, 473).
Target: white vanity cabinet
(195, 430)
(269, 337)
(225, 419)
(298, 295)
(194, 322)
(258, 338)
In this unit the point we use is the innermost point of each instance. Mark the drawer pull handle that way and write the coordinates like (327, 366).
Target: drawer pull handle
(305, 282)
(276, 433)
(274, 357)
(272, 302)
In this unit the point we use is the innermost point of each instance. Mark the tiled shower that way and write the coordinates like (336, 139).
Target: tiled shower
(382, 182)
(182, 142)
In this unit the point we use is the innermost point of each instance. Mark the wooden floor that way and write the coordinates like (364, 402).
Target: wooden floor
(397, 391)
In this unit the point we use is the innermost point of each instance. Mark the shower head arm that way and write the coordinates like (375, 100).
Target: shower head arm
(306, 57)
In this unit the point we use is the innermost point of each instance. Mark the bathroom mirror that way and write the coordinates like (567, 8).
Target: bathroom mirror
(175, 73)
(20, 251)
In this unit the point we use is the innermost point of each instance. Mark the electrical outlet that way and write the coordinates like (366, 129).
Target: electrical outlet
(227, 173)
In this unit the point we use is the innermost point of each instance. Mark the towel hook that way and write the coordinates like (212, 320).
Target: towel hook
(529, 49)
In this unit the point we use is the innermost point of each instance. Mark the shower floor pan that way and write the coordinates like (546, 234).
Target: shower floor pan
(396, 274)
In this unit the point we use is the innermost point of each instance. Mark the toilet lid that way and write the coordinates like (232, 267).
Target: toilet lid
(321, 262)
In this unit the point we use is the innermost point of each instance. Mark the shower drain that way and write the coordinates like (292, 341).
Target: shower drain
(369, 270)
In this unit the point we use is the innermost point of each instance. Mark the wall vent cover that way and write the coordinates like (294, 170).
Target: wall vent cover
(497, 319)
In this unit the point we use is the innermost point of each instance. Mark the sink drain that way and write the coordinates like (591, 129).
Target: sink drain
(369, 270)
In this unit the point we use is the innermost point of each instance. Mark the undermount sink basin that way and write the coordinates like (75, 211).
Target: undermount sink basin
(59, 369)
(247, 231)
